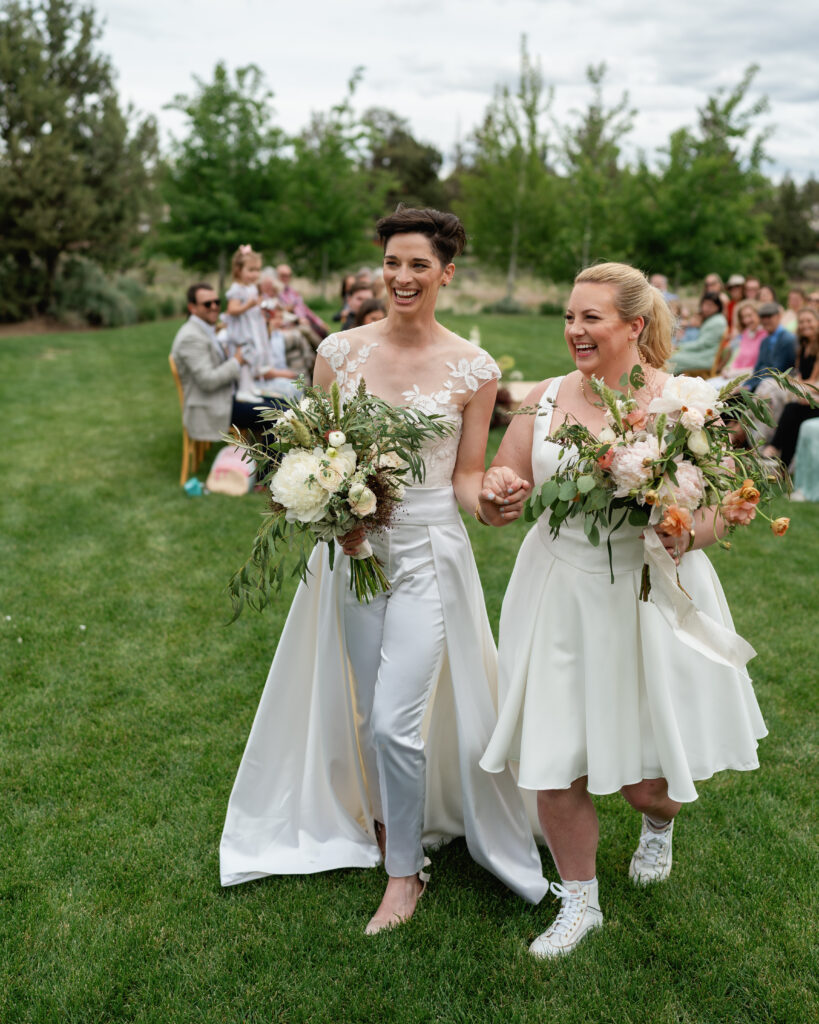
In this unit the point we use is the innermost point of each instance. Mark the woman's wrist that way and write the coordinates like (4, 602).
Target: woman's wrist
(478, 516)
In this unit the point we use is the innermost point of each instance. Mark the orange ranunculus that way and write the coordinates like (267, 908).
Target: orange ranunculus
(737, 510)
(605, 461)
(748, 492)
(636, 419)
(676, 521)
(780, 526)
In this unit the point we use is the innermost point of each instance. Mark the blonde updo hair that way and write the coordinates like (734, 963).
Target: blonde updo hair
(634, 297)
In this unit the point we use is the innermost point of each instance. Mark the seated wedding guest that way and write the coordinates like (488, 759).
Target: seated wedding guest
(777, 352)
(797, 410)
(735, 286)
(359, 294)
(268, 284)
(660, 282)
(744, 350)
(796, 300)
(273, 375)
(294, 342)
(209, 375)
(813, 300)
(294, 303)
(713, 283)
(699, 354)
(370, 311)
(347, 283)
(751, 289)
(778, 349)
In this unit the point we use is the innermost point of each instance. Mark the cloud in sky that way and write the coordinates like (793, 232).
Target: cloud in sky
(437, 63)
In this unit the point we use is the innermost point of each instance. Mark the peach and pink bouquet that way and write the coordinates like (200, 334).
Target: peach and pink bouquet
(658, 466)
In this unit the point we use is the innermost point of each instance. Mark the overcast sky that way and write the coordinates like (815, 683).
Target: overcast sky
(436, 62)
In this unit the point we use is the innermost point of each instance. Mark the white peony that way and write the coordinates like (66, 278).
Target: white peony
(361, 500)
(683, 394)
(296, 486)
(632, 466)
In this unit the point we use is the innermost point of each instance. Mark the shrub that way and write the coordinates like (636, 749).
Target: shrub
(507, 306)
(551, 309)
(81, 288)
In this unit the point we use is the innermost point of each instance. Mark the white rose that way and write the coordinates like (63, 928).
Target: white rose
(336, 438)
(361, 500)
(296, 486)
(698, 442)
(335, 465)
(606, 435)
(692, 419)
(390, 460)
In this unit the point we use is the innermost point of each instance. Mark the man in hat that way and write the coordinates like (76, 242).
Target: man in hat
(778, 350)
(699, 354)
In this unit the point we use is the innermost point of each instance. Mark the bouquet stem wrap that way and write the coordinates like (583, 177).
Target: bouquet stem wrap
(690, 625)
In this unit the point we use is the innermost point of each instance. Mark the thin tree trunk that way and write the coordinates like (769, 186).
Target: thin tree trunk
(222, 271)
(325, 270)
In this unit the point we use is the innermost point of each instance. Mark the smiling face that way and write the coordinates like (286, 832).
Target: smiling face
(249, 272)
(748, 318)
(599, 340)
(206, 306)
(808, 325)
(413, 273)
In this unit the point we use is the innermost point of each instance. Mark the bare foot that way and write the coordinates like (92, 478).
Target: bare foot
(398, 904)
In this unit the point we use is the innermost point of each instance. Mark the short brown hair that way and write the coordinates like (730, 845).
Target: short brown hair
(445, 232)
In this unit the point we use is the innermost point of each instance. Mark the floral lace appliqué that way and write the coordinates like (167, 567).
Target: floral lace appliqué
(336, 350)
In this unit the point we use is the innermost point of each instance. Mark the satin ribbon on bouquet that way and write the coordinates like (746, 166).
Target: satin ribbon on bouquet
(693, 627)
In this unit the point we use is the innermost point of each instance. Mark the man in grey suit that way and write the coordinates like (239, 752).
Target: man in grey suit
(208, 373)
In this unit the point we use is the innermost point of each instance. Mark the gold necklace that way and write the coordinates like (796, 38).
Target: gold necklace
(594, 405)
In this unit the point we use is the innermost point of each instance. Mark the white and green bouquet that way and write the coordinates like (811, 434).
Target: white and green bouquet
(331, 466)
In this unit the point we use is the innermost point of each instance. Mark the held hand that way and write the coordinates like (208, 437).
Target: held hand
(239, 356)
(503, 487)
(352, 541)
(675, 546)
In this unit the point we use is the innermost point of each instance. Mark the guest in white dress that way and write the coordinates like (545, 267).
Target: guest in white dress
(369, 731)
(247, 330)
(598, 692)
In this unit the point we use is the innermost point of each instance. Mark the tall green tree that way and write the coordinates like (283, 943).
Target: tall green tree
(506, 187)
(75, 169)
(412, 166)
(333, 196)
(226, 178)
(593, 209)
(703, 210)
(793, 225)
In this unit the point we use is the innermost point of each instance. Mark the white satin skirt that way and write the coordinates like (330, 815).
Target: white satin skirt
(595, 682)
(381, 711)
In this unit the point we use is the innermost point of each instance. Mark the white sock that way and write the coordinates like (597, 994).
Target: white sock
(658, 826)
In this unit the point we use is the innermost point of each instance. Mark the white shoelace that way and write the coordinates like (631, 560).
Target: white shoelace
(570, 912)
(652, 845)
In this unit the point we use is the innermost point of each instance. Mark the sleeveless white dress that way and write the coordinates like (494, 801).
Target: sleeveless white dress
(592, 681)
(303, 799)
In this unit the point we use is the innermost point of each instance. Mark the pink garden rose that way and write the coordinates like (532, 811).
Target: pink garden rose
(632, 466)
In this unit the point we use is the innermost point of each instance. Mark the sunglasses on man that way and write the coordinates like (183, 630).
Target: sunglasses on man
(211, 304)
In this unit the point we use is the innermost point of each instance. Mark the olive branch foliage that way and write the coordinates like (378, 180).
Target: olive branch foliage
(374, 429)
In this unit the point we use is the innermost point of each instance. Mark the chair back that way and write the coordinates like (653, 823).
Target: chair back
(177, 380)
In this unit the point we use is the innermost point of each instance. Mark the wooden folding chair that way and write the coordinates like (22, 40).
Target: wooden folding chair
(192, 451)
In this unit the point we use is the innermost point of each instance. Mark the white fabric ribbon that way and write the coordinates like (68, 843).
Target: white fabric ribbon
(690, 625)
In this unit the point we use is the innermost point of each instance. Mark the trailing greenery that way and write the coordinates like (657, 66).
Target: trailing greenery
(119, 743)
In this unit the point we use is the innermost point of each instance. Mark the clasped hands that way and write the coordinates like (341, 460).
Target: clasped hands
(502, 495)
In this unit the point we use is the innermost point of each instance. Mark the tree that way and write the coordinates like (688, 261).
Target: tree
(703, 210)
(593, 211)
(226, 178)
(75, 171)
(412, 166)
(332, 197)
(793, 224)
(505, 183)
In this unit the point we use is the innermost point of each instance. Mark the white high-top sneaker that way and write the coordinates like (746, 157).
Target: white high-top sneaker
(578, 914)
(652, 858)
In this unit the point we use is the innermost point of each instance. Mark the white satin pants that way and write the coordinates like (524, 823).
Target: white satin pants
(396, 645)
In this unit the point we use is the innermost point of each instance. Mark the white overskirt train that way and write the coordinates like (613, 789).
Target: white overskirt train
(301, 803)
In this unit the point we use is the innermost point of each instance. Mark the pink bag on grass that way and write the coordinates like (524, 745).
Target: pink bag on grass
(230, 474)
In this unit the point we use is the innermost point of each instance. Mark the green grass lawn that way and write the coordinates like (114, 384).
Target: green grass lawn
(126, 703)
